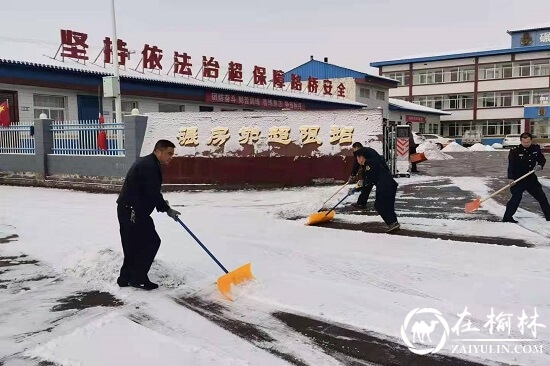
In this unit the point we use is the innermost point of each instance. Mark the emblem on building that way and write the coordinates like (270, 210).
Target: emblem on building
(526, 39)
(542, 111)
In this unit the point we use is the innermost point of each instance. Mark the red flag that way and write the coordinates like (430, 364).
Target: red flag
(5, 114)
(102, 135)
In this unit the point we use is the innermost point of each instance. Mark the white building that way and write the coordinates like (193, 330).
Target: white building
(485, 90)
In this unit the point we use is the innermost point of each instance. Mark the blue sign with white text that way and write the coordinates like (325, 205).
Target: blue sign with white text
(528, 38)
(536, 112)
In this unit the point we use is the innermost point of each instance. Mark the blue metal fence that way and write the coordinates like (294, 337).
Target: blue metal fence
(17, 138)
(87, 138)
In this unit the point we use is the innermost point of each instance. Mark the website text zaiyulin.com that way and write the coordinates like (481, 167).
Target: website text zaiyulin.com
(495, 348)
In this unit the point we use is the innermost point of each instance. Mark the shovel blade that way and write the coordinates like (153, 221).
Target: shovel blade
(472, 206)
(235, 277)
(319, 217)
(417, 158)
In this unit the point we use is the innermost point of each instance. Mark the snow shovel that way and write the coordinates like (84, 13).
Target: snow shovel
(474, 205)
(418, 158)
(324, 216)
(323, 205)
(234, 277)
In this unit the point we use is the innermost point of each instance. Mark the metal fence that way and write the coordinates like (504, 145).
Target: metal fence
(17, 138)
(87, 138)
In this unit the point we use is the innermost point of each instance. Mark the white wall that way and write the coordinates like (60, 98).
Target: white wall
(441, 89)
(498, 58)
(402, 91)
(394, 68)
(532, 55)
(499, 113)
(26, 104)
(445, 63)
(459, 115)
(513, 84)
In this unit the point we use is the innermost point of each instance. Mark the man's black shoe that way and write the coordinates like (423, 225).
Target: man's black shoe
(144, 286)
(122, 282)
(509, 220)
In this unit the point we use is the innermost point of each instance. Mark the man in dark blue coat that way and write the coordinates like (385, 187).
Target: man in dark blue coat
(521, 160)
(376, 173)
(140, 195)
(356, 173)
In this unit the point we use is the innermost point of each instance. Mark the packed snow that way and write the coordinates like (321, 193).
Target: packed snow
(496, 145)
(363, 280)
(432, 151)
(454, 147)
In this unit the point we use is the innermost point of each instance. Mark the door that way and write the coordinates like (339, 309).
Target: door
(88, 113)
(11, 97)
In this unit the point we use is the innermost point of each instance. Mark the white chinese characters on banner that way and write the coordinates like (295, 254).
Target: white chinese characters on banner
(250, 135)
(545, 37)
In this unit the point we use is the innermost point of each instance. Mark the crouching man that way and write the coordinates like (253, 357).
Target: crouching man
(376, 173)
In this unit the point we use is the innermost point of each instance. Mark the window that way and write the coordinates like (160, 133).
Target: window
(421, 128)
(523, 97)
(171, 108)
(402, 77)
(537, 94)
(380, 95)
(364, 93)
(524, 69)
(505, 99)
(127, 106)
(203, 108)
(52, 105)
(507, 70)
(487, 100)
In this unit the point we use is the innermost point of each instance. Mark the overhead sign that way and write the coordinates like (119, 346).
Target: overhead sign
(418, 119)
(74, 45)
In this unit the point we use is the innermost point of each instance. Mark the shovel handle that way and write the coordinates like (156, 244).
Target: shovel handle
(202, 245)
(507, 186)
(335, 193)
(336, 205)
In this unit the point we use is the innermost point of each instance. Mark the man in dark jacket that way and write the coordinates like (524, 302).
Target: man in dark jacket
(357, 174)
(521, 160)
(376, 173)
(140, 195)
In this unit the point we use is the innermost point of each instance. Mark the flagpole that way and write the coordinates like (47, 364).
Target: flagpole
(118, 99)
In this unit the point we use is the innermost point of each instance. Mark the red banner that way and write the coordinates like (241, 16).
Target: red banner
(226, 98)
(418, 119)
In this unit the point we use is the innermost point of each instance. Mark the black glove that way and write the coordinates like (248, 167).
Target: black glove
(173, 213)
(537, 167)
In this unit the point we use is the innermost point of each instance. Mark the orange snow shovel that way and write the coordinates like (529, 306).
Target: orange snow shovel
(324, 216)
(475, 204)
(417, 158)
(234, 277)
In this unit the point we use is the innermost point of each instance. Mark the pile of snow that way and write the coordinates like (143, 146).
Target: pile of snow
(454, 147)
(480, 147)
(496, 145)
(432, 152)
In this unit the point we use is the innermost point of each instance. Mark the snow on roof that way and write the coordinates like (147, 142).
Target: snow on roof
(402, 104)
(42, 56)
(531, 27)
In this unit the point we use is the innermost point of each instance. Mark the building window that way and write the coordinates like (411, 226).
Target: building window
(402, 77)
(538, 94)
(523, 97)
(126, 105)
(380, 95)
(171, 108)
(364, 93)
(52, 105)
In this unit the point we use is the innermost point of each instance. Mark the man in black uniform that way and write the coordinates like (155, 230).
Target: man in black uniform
(140, 195)
(521, 160)
(355, 174)
(377, 173)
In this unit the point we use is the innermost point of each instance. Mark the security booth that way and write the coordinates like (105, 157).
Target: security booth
(537, 122)
(396, 148)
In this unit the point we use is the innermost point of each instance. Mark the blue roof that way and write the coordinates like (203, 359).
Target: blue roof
(455, 56)
(324, 70)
